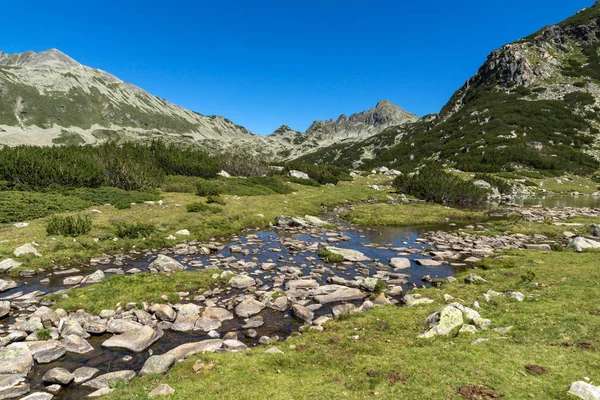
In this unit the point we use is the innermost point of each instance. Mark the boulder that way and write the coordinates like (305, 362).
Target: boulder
(189, 349)
(163, 312)
(315, 221)
(443, 322)
(164, 263)
(234, 345)
(595, 230)
(298, 174)
(38, 396)
(585, 391)
(59, 375)
(158, 364)
(342, 294)
(8, 265)
(122, 326)
(83, 374)
(580, 243)
(241, 281)
(348, 254)
(106, 381)
(76, 344)
(302, 313)
(26, 249)
(161, 390)
(12, 386)
(249, 307)
(400, 263)
(136, 340)
(4, 308)
(7, 285)
(425, 262)
(15, 359)
(96, 277)
(187, 316)
(47, 351)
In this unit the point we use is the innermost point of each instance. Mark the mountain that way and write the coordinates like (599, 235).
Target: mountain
(533, 104)
(48, 98)
(344, 131)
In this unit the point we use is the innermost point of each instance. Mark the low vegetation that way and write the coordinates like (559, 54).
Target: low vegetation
(69, 226)
(331, 257)
(133, 230)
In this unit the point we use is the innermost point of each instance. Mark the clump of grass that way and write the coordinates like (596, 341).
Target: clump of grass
(331, 257)
(208, 188)
(134, 230)
(69, 226)
(528, 277)
(216, 200)
(43, 334)
(203, 208)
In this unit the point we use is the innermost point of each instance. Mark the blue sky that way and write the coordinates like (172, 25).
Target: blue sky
(264, 63)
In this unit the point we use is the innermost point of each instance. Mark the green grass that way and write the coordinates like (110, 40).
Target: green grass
(378, 355)
(408, 214)
(330, 257)
(136, 288)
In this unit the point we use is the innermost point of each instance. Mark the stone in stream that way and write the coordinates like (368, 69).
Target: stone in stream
(38, 396)
(158, 364)
(15, 359)
(241, 281)
(96, 277)
(8, 265)
(33, 324)
(26, 249)
(72, 327)
(83, 374)
(399, 263)
(161, 390)
(302, 313)
(73, 280)
(12, 337)
(47, 351)
(12, 386)
(189, 349)
(249, 307)
(428, 263)
(163, 312)
(4, 308)
(101, 392)
(59, 375)
(164, 263)
(107, 380)
(234, 345)
(348, 254)
(76, 344)
(369, 284)
(7, 285)
(342, 309)
(279, 304)
(122, 326)
(136, 340)
(341, 294)
(187, 316)
(217, 313)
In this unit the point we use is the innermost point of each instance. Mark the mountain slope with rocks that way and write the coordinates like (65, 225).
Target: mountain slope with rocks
(48, 98)
(533, 104)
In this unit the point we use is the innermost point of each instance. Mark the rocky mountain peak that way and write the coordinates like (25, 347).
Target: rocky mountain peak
(48, 59)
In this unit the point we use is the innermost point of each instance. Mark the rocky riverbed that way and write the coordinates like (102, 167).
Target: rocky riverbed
(274, 285)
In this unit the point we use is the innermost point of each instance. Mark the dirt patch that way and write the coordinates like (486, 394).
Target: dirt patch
(536, 369)
(395, 377)
(478, 392)
(579, 344)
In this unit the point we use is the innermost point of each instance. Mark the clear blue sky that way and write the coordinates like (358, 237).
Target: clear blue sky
(264, 63)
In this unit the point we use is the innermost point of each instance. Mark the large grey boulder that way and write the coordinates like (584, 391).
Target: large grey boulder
(136, 340)
(187, 315)
(161, 390)
(348, 254)
(47, 351)
(302, 313)
(83, 374)
(298, 174)
(189, 349)
(158, 364)
(38, 396)
(249, 307)
(4, 308)
(107, 380)
(241, 281)
(15, 359)
(7, 285)
(96, 277)
(76, 344)
(26, 249)
(400, 263)
(12, 386)
(58, 375)
(163, 312)
(443, 322)
(580, 243)
(8, 265)
(122, 325)
(164, 263)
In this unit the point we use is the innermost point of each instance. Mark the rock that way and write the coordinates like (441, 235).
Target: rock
(241, 281)
(206, 324)
(4, 308)
(515, 295)
(26, 249)
(416, 299)
(164, 263)
(400, 263)
(298, 175)
(595, 230)
(71, 327)
(289, 222)
(122, 326)
(187, 350)
(443, 322)
(58, 375)
(342, 294)
(428, 263)
(33, 324)
(279, 304)
(83, 374)
(302, 313)
(106, 381)
(38, 396)
(12, 386)
(541, 247)
(369, 284)
(7, 285)
(580, 243)
(314, 221)
(382, 300)
(8, 265)
(101, 392)
(273, 350)
(473, 279)
(585, 391)
(96, 277)
(249, 307)
(158, 364)
(76, 344)
(47, 351)
(162, 389)
(164, 312)
(342, 309)
(234, 345)
(136, 340)
(73, 280)
(468, 329)
(15, 359)
(187, 316)
(348, 254)
(183, 232)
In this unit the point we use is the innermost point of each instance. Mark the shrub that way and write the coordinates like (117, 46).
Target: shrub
(215, 200)
(433, 184)
(43, 334)
(503, 186)
(208, 188)
(69, 226)
(202, 207)
(306, 182)
(321, 173)
(528, 277)
(330, 257)
(134, 230)
(25, 206)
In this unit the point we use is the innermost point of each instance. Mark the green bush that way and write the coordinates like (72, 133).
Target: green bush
(503, 186)
(133, 230)
(330, 257)
(215, 200)
(433, 184)
(208, 188)
(321, 173)
(69, 226)
(203, 208)
(25, 206)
